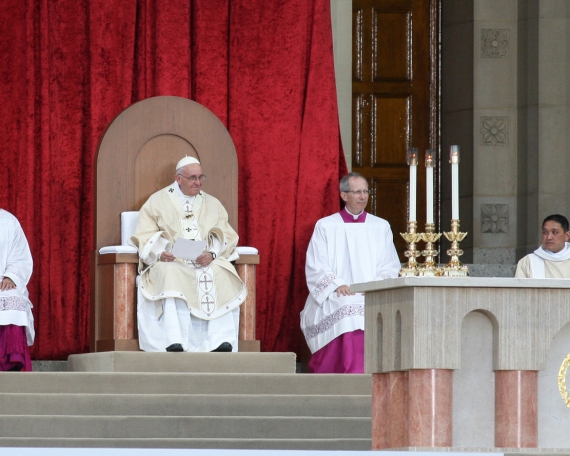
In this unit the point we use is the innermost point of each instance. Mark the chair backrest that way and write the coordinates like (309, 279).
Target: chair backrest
(138, 153)
(128, 226)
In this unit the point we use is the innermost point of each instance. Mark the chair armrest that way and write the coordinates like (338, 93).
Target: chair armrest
(247, 255)
(117, 258)
(118, 249)
(247, 259)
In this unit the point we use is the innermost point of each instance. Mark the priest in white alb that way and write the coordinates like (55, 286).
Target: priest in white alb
(552, 259)
(348, 247)
(187, 304)
(16, 320)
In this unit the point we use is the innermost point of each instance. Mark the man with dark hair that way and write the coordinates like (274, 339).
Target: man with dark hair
(552, 259)
(348, 247)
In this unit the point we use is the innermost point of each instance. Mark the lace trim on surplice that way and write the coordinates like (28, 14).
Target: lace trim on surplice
(351, 310)
(12, 303)
(324, 283)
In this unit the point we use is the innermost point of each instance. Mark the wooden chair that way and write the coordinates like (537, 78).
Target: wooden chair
(136, 157)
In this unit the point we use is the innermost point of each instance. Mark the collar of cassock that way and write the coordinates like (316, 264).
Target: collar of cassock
(349, 217)
(563, 255)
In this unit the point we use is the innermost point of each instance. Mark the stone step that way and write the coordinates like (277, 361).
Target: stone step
(244, 410)
(349, 444)
(184, 383)
(243, 362)
(168, 427)
(184, 405)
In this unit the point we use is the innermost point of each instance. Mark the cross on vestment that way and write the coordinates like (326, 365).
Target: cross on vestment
(205, 281)
(206, 300)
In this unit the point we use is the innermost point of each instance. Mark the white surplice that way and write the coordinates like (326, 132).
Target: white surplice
(544, 264)
(15, 263)
(342, 254)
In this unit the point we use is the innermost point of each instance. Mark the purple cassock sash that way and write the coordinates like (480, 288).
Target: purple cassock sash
(343, 354)
(14, 354)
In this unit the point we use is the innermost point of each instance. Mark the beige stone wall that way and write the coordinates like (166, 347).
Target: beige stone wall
(516, 92)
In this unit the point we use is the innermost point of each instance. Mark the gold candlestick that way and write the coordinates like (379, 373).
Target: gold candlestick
(411, 237)
(429, 268)
(454, 268)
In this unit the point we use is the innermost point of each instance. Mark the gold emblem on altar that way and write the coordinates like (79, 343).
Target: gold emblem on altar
(562, 380)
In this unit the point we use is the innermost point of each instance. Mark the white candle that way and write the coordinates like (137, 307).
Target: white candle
(454, 160)
(413, 191)
(412, 157)
(430, 158)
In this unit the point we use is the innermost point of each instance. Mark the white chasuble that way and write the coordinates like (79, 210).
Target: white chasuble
(543, 264)
(15, 263)
(208, 293)
(342, 254)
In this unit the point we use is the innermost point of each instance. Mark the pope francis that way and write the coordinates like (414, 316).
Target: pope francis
(187, 305)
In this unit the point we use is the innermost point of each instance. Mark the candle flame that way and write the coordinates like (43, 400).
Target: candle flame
(454, 154)
(412, 156)
(430, 158)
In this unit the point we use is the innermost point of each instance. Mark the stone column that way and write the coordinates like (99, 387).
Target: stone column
(553, 109)
(430, 399)
(516, 418)
(390, 410)
(412, 408)
(495, 140)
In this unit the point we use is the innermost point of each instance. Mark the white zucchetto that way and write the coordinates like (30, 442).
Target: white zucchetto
(187, 161)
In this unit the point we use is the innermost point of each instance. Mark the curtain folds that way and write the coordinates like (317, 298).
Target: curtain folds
(68, 67)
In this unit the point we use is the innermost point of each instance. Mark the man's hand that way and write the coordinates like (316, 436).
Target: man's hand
(167, 256)
(7, 284)
(205, 259)
(343, 290)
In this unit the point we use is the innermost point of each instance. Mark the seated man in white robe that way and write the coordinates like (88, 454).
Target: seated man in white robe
(552, 259)
(16, 320)
(348, 247)
(187, 305)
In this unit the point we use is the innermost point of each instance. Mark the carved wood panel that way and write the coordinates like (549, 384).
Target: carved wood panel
(395, 101)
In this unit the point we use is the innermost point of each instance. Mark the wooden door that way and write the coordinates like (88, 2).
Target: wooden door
(395, 101)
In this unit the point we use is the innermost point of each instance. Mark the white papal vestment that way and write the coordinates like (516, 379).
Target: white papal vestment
(180, 301)
(544, 264)
(15, 263)
(342, 253)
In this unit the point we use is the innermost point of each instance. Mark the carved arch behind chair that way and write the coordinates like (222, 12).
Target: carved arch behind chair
(138, 153)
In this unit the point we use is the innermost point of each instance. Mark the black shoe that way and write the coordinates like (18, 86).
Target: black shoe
(224, 347)
(176, 348)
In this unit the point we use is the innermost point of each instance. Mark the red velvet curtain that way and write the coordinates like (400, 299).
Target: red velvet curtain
(68, 67)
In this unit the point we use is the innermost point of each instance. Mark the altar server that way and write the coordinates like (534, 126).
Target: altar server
(186, 305)
(552, 259)
(16, 320)
(348, 247)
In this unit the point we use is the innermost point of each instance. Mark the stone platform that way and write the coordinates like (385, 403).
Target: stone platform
(275, 363)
